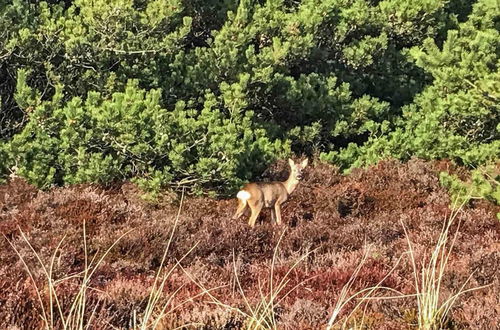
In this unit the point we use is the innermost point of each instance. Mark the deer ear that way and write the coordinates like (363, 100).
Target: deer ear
(291, 163)
(304, 163)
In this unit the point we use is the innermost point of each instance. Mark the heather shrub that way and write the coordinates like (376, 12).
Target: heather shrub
(219, 248)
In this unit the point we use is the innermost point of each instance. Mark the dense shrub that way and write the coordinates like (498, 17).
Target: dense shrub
(457, 116)
(483, 183)
(311, 76)
(130, 135)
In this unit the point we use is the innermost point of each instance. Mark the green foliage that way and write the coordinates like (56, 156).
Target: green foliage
(4, 162)
(484, 183)
(15, 18)
(131, 136)
(90, 45)
(457, 116)
(221, 88)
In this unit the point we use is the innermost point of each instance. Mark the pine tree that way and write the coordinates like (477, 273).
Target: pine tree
(457, 116)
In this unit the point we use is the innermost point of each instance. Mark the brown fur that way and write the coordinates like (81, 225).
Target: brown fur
(269, 194)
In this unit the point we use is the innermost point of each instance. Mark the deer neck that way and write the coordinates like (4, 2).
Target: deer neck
(290, 184)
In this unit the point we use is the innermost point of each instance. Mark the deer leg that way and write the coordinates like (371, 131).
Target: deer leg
(242, 204)
(256, 208)
(277, 209)
(273, 216)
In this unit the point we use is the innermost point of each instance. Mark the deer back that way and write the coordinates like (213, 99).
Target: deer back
(267, 192)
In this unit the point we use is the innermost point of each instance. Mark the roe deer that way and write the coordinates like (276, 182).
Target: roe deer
(268, 194)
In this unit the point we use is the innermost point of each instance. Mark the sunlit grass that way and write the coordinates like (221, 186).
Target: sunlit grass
(359, 298)
(260, 314)
(50, 303)
(51, 311)
(159, 307)
(257, 306)
(434, 308)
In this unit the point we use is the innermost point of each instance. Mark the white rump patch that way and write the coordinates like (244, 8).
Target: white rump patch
(243, 195)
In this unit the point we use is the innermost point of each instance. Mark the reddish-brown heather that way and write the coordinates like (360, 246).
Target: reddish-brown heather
(330, 217)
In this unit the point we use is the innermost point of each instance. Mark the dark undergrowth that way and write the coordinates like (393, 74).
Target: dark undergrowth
(330, 219)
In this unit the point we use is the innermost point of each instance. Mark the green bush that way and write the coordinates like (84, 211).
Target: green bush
(130, 135)
(455, 117)
(352, 80)
(484, 183)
